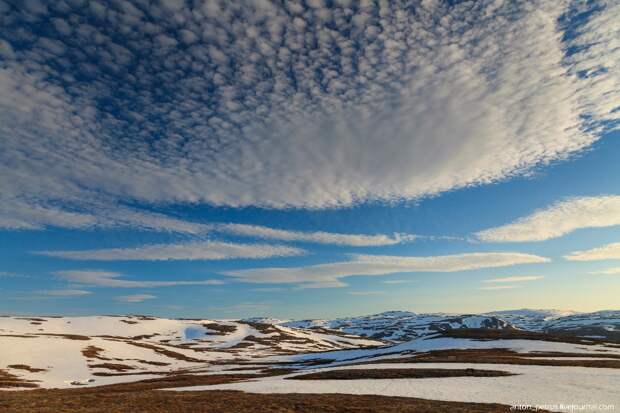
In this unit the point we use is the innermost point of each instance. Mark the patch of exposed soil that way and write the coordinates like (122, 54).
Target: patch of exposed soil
(512, 334)
(501, 356)
(25, 367)
(359, 374)
(166, 352)
(39, 320)
(112, 366)
(222, 329)
(67, 336)
(8, 380)
(93, 352)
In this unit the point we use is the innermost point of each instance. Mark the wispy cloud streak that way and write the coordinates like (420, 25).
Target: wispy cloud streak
(199, 250)
(329, 275)
(558, 219)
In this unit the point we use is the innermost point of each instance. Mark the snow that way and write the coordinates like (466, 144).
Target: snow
(39, 343)
(46, 343)
(532, 385)
(398, 326)
(444, 343)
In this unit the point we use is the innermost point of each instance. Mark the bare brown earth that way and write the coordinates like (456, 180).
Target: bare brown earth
(358, 374)
(112, 366)
(25, 367)
(67, 336)
(93, 352)
(503, 356)
(165, 352)
(8, 380)
(222, 329)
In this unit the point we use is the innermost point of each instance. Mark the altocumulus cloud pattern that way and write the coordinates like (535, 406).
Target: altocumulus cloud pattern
(284, 104)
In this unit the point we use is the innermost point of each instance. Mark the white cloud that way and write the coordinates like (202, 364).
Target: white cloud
(398, 281)
(329, 275)
(608, 271)
(261, 111)
(517, 278)
(558, 219)
(100, 278)
(365, 293)
(499, 287)
(198, 250)
(28, 216)
(606, 252)
(65, 293)
(356, 240)
(135, 298)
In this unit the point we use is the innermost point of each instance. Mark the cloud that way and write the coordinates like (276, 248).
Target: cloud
(135, 298)
(608, 271)
(19, 215)
(64, 293)
(270, 289)
(365, 293)
(320, 237)
(398, 281)
(329, 275)
(8, 274)
(606, 252)
(499, 287)
(200, 250)
(286, 105)
(102, 278)
(518, 278)
(558, 219)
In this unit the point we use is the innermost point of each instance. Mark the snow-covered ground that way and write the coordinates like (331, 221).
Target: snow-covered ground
(146, 346)
(53, 352)
(548, 387)
(445, 343)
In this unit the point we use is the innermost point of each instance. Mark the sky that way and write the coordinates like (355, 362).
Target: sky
(306, 159)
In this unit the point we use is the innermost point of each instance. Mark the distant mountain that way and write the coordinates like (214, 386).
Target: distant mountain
(398, 326)
(600, 324)
(530, 319)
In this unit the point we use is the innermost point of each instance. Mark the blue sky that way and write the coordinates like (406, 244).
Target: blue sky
(308, 159)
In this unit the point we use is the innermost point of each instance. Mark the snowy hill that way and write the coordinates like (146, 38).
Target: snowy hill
(68, 351)
(398, 326)
(529, 319)
(63, 351)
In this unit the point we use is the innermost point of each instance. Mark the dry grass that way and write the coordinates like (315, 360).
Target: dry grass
(360, 374)
(94, 401)
(501, 356)
(512, 334)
